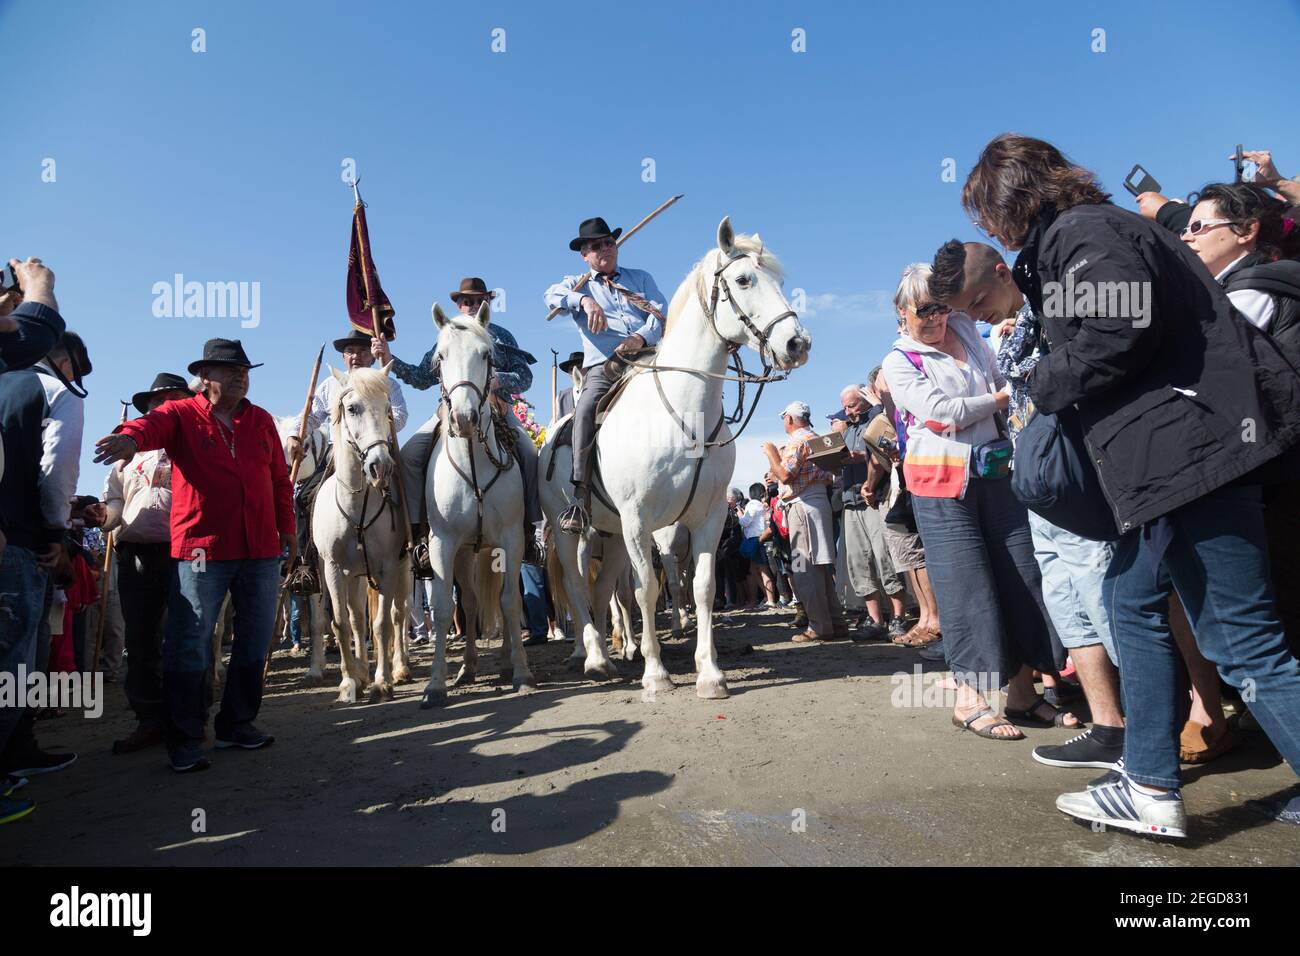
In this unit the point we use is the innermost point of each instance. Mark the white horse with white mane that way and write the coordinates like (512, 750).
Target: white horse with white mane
(359, 534)
(475, 497)
(664, 452)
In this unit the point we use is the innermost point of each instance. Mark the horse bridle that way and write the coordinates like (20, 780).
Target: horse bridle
(502, 466)
(361, 526)
(722, 292)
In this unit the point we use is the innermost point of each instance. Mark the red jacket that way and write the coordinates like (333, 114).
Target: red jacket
(228, 507)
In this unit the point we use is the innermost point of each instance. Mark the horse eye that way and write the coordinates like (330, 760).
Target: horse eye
(744, 282)
(354, 409)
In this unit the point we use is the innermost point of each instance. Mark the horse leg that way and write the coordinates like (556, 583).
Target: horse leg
(512, 606)
(638, 543)
(470, 600)
(382, 625)
(589, 653)
(710, 684)
(435, 693)
(603, 589)
(623, 596)
(316, 672)
(401, 650)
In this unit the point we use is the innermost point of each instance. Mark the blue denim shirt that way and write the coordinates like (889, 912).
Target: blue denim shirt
(512, 371)
(623, 318)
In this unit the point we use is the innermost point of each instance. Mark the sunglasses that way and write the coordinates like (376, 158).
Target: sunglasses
(931, 309)
(473, 301)
(601, 244)
(1198, 226)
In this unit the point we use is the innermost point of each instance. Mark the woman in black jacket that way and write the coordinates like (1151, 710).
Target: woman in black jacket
(1181, 404)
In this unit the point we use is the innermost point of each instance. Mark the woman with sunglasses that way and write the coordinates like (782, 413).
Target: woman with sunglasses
(950, 399)
(1182, 405)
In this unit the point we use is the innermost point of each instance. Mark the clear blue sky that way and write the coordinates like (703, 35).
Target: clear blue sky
(225, 165)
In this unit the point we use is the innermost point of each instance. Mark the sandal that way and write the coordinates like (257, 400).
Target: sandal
(918, 637)
(806, 637)
(987, 732)
(1196, 746)
(1029, 718)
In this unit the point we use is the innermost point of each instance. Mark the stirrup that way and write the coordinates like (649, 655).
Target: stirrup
(574, 519)
(420, 562)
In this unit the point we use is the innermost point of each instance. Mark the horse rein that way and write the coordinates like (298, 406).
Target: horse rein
(507, 458)
(361, 525)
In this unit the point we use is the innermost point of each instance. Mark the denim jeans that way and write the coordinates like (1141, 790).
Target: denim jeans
(1217, 561)
(195, 601)
(534, 586)
(22, 596)
(1074, 569)
(988, 586)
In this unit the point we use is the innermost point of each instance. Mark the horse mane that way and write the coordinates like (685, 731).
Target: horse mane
(702, 273)
(473, 327)
(369, 383)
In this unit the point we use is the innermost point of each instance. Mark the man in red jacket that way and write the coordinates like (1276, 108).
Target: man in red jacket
(231, 517)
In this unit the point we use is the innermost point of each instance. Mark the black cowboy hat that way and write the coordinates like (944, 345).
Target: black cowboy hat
(591, 230)
(573, 361)
(162, 382)
(222, 352)
(472, 285)
(355, 337)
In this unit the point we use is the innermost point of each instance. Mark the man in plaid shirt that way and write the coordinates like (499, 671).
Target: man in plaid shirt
(804, 488)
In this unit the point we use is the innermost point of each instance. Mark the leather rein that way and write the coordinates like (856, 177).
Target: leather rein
(361, 525)
(507, 458)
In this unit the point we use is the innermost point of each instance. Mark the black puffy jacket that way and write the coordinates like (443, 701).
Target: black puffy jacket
(1176, 398)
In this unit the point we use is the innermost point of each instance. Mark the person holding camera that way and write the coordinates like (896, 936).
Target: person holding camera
(1182, 405)
(30, 323)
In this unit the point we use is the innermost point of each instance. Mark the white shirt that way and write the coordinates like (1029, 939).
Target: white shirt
(60, 450)
(138, 494)
(320, 404)
(1257, 307)
(754, 518)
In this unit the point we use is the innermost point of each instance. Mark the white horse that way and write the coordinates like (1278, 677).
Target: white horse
(475, 498)
(664, 450)
(674, 544)
(359, 535)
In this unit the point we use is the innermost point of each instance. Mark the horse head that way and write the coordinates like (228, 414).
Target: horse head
(360, 418)
(464, 362)
(748, 305)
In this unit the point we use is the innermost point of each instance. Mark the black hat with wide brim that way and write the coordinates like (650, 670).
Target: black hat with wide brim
(222, 352)
(591, 230)
(355, 337)
(573, 361)
(163, 382)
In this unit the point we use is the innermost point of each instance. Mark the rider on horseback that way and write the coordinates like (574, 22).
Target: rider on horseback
(618, 311)
(511, 377)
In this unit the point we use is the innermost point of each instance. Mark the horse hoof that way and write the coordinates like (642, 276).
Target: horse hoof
(605, 670)
(347, 692)
(433, 698)
(312, 679)
(379, 691)
(575, 664)
(401, 675)
(711, 690)
(657, 682)
(524, 688)
(463, 676)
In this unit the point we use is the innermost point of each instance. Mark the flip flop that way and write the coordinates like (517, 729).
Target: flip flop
(987, 732)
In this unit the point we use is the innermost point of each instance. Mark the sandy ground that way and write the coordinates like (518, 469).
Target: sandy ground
(808, 762)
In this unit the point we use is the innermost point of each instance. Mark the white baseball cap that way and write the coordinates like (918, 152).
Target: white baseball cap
(797, 409)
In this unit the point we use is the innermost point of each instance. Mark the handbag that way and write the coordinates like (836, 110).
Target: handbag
(1054, 477)
(751, 549)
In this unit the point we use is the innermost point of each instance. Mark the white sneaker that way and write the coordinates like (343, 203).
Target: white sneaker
(1114, 802)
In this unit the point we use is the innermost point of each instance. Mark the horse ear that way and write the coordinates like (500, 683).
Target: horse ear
(439, 317)
(484, 314)
(726, 237)
(338, 376)
(383, 369)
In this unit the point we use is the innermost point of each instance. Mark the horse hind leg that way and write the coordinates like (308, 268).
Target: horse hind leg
(469, 599)
(401, 650)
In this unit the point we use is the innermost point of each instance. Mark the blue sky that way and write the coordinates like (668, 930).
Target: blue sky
(225, 165)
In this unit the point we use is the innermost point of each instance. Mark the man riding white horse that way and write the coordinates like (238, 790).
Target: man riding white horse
(618, 310)
(511, 377)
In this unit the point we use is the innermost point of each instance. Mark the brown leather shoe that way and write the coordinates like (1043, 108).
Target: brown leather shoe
(144, 735)
(806, 637)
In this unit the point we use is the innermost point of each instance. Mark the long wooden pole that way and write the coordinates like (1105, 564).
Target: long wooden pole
(555, 395)
(621, 239)
(293, 481)
(109, 541)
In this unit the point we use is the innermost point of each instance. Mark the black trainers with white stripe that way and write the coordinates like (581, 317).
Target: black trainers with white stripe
(1081, 751)
(1115, 802)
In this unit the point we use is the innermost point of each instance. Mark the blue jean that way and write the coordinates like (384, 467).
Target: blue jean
(195, 601)
(1217, 561)
(534, 598)
(1074, 570)
(22, 596)
(987, 584)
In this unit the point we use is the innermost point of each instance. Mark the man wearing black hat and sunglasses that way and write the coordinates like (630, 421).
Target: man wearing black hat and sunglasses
(565, 400)
(618, 310)
(231, 516)
(138, 496)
